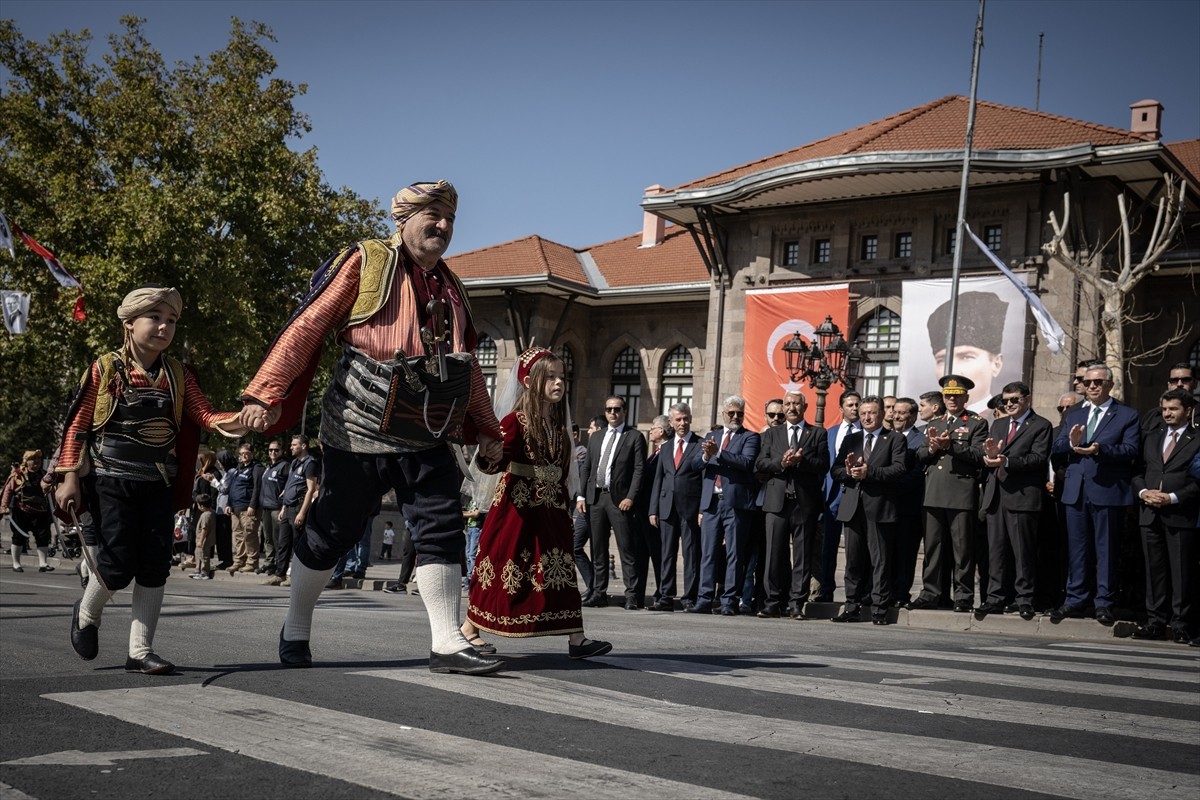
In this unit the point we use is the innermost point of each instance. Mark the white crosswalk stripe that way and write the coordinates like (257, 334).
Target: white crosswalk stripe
(1097, 703)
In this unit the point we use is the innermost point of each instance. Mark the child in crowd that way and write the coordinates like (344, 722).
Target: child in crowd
(389, 539)
(524, 583)
(130, 442)
(206, 538)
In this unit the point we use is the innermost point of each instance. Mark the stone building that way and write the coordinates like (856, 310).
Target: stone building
(661, 316)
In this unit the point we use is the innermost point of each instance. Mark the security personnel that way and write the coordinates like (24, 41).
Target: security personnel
(953, 457)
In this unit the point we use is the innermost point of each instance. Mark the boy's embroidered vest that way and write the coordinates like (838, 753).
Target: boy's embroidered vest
(137, 425)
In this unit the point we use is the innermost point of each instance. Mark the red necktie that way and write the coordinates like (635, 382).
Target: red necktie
(1012, 431)
(678, 452)
(724, 441)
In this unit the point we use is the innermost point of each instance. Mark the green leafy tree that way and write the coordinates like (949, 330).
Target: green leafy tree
(134, 172)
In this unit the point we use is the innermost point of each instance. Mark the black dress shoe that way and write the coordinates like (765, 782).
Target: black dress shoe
(1104, 615)
(796, 612)
(1066, 611)
(849, 614)
(745, 608)
(631, 605)
(589, 649)
(768, 612)
(1151, 631)
(1180, 635)
(988, 608)
(1025, 610)
(598, 601)
(880, 618)
(150, 665)
(663, 605)
(86, 642)
(464, 662)
(335, 583)
(46, 569)
(922, 603)
(294, 654)
(729, 611)
(1012, 608)
(962, 606)
(700, 608)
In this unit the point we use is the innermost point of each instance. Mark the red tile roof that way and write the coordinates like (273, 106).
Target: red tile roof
(1188, 153)
(622, 262)
(941, 125)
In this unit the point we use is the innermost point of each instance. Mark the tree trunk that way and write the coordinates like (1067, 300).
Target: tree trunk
(1114, 339)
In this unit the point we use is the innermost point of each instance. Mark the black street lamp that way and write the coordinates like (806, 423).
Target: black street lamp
(826, 360)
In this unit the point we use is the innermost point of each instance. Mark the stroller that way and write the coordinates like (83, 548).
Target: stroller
(68, 540)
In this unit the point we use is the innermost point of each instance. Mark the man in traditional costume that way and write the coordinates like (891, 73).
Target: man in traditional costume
(404, 391)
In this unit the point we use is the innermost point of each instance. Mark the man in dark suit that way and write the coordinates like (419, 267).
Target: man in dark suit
(910, 495)
(611, 480)
(795, 457)
(1015, 456)
(1170, 499)
(1101, 441)
(1180, 376)
(650, 554)
(952, 455)
(869, 467)
(726, 502)
(831, 535)
(675, 508)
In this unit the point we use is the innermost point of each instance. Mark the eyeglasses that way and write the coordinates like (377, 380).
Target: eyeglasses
(1093, 381)
(735, 413)
(780, 415)
(613, 410)
(272, 449)
(1180, 380)
(1012, 401)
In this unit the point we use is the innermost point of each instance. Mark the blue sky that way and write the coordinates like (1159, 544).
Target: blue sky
(552, 117)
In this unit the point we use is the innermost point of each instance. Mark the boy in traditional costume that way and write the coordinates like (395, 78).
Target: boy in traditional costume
(25, 500)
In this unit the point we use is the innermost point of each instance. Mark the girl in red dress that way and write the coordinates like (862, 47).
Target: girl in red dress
(524, 578)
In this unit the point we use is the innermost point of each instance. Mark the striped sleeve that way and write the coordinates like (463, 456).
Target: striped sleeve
(75, 436)
(197, 406)
(300, 341)
(479, 405)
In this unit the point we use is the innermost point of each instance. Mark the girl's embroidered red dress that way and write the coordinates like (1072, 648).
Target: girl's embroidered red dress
(524, 579)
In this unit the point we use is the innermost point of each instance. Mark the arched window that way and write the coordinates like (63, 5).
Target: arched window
(676, 378)
(879, 337)
(627, 382)
(567, 357)
(485, 354)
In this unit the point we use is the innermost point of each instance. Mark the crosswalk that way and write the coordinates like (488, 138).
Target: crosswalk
(1076, 720)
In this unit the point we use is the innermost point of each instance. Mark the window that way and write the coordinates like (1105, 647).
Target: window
(903, 245)
(627, 381)
(676, 378)
(791, 254)
(821, 251)
(870, 248)
(567, 357)
(951, 236)
(879, 337)
(992, 236)
(485, 354)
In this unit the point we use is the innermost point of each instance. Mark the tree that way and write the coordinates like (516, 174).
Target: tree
(1114, 286)
(134, 173)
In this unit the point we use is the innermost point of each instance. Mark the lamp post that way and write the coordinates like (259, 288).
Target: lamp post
(824, 361)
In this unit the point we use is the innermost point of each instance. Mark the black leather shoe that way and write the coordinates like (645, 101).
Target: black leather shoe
(700, 608)
(589, 649)
(1025, 610)
(294, 654)
(1066, 611)
(1104, 615)
(598, 601)
(962, 606)
(768, 612)
(335, 583)
(663, 605)
(988, 608)
(46, 569)
(745, 608)
(729, 611)
(150, 665)
(85, 642)
(849, 614)
(880, 618)
(796, 612)
(1151, 631)
(922, 603)
(464, 662)
(1180, 635)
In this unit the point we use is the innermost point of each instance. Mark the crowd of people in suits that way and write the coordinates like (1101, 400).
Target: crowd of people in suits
(1015, 514)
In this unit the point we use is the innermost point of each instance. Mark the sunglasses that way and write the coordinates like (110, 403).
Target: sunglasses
(1012, 401)
(1180, 380)
(780, 415)
(735, 413)
(613, 410)
(272, 449)
(1093, 381)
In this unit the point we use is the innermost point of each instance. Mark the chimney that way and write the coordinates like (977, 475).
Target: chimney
(1147, 118)
(653, 226)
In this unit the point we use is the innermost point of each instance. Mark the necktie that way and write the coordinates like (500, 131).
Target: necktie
(1012, 431)
(609, 438)
(867, 447)
(678, 452)
(1092, 422)
(1170, 448)
(724, 442)
(795, 436)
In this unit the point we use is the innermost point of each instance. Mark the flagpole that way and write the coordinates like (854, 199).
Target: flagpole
(962, 196)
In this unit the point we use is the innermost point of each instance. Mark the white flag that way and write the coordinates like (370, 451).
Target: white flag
(16, 310)
(1051, 331)
(6, 240)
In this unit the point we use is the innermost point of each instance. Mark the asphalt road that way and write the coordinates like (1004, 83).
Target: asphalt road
(684, 707)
